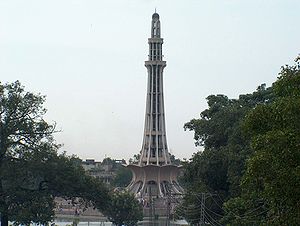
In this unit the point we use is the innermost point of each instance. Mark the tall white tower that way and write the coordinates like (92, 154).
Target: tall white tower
(154, 175)
(154, 148)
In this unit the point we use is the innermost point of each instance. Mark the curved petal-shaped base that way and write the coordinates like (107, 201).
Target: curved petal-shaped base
(154, 180)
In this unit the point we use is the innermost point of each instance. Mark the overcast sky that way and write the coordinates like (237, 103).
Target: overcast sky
(87, 57)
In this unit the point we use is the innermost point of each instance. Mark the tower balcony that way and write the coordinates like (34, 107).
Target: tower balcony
(155, 62)
(155, 40)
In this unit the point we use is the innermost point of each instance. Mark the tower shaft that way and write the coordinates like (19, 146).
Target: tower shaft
(154, 148)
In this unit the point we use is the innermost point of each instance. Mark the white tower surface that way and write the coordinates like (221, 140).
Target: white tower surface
(154, 174)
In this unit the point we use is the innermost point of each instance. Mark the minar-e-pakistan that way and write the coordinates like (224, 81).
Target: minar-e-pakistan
(154, 175)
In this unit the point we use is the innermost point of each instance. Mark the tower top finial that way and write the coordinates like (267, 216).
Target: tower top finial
(155, 28)
(155, 15)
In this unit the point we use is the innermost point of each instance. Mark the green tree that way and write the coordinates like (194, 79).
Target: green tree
(124, 209)
(22, 132)
(123, 177)
(218, 169)
(241, 211)
(174, 160)
(135, 159)
(273, 172)
(31, 171)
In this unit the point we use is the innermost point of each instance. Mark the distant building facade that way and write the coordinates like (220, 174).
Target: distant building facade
(105, 171)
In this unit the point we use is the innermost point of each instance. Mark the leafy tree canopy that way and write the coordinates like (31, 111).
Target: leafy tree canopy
(31, 171)
(273, 171)
(124, 209)
(251, 155)
(123, 177)
(218, 169)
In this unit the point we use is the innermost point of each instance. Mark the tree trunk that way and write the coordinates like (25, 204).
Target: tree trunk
(3, 214)
(4, 219)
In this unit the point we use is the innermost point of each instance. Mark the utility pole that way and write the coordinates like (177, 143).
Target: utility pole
(151, 207)
(204, 196)
(168, 205)
(202, 217)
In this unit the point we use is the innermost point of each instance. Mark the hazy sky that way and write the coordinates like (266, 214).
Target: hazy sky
(87, 57)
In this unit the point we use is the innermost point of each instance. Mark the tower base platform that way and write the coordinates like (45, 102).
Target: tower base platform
(154, 181)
